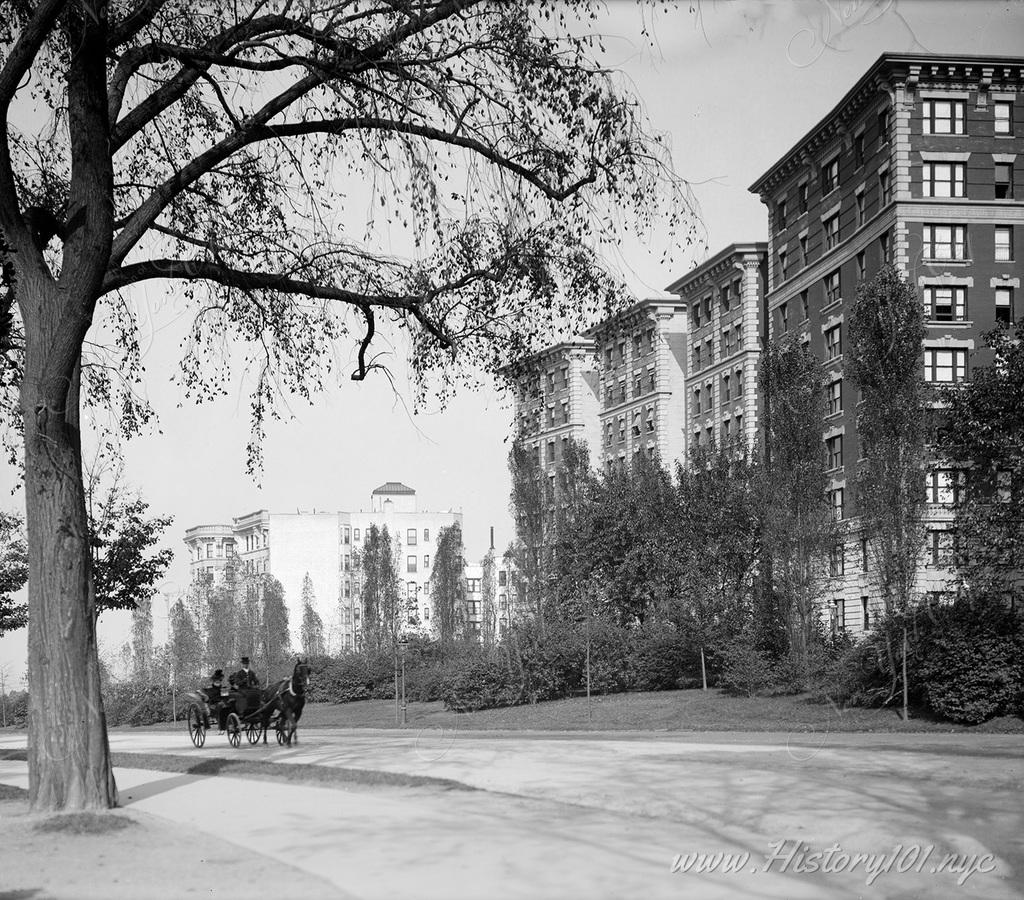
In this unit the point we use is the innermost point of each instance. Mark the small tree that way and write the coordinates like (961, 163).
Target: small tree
(799, 530)
(13, 572)
(528, 510)
(448, 584)
(886, 328)
(488, 591)
(983, 434)
(185, 646)
(569, 558)
(719, 528)
(312, 631)
(273, 633)
(142, 641)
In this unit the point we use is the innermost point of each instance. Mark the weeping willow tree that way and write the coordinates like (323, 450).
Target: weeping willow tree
(215, 148)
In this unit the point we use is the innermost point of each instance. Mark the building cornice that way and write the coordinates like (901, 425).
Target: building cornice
(724, 260)
(911, 70)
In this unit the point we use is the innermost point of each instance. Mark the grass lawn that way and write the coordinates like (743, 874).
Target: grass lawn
(690, 710)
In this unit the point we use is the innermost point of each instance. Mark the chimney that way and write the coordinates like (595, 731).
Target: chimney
(492, 537)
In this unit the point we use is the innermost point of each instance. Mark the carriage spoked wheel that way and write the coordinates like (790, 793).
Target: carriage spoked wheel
(253, 732)
(234, 729)
(196, 726)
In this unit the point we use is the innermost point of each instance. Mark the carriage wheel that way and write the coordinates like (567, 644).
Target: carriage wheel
(234, 730)
(253, 732)
(196, 726)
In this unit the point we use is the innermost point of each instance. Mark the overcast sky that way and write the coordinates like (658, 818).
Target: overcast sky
(731, 84)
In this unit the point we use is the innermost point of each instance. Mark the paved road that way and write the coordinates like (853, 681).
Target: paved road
(606, 816)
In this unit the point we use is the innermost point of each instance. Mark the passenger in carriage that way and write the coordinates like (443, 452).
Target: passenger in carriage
(245, 678)
(213, 694)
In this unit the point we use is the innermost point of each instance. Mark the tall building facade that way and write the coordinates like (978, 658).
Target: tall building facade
(724, 297)
(919, 165)
(641, 358)
(618, 388)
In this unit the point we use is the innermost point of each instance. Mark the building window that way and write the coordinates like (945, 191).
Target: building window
(939, 547)
(837, 560)
(636, 423)
(946, 304)
(945, 241)
(830, 176)
(861, 208)
(801, 193)
(884, 187)
(943, 486)
(638, 384)
(696, 400)
(650, 418)
(709, 349)
(695, 314)
(834, 342)
(355, 534)
(1004, 243)
(652, 380)
(833, 294)
(1004, 305)
(696, 358)
(782, 213)
(884, 121)
(1003, 112)
(831, 226)
(836, 503)
(884, 247)
(943, 116)
(1004, 181)
(551, 451)
(726, 341)
(945, 366)
(834, 451)
(622, 429)
(637, 343)
(865, 613)
(943, 179)
(726, 387)
(707, 308)
(864, 554)
(608, 357)
(410, 537)
(805, 307)
(739, 382)
(502, 579)
(784, 317)
(726, 433)
(835, 397)
(803, 250)
(782, 265)
(862, 266)
(565, 411)
(410, 563)
(426, 535)
(551, 416)
(858, 150)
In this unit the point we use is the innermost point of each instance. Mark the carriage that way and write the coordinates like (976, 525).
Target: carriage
(253, 712)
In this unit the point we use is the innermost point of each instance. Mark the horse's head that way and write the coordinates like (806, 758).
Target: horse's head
(300, 677)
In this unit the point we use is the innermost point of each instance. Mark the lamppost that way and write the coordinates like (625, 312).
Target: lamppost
(403, 645)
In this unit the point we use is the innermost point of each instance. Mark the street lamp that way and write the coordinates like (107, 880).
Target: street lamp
(403, 645)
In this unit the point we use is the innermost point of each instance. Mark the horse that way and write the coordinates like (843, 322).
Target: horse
(287, 698)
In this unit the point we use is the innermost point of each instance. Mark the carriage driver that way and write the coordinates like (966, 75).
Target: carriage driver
(245, 677)
(213, 694)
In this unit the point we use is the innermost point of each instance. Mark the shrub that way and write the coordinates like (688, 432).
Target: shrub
(133, 704)
(479, 683)
(745, 669)
(973, 663)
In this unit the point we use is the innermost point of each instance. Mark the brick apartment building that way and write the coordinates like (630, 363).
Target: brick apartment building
(725, 296)
(919, 164)
(619, 388)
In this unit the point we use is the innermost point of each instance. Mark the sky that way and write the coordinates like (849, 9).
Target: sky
(731, 85)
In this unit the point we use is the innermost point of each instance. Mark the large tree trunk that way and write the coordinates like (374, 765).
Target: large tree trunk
(69, 758)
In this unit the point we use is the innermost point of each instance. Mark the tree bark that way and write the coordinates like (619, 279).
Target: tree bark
(68, 753)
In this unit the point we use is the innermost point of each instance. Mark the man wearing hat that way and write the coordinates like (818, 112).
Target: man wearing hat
(245, 677)
(213, 693)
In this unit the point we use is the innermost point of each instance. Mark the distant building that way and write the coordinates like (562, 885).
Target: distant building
(325, 546)
(618, 388)
(725, 296)
(917, 165)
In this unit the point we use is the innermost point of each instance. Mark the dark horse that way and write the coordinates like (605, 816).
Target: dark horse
(287, 698)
